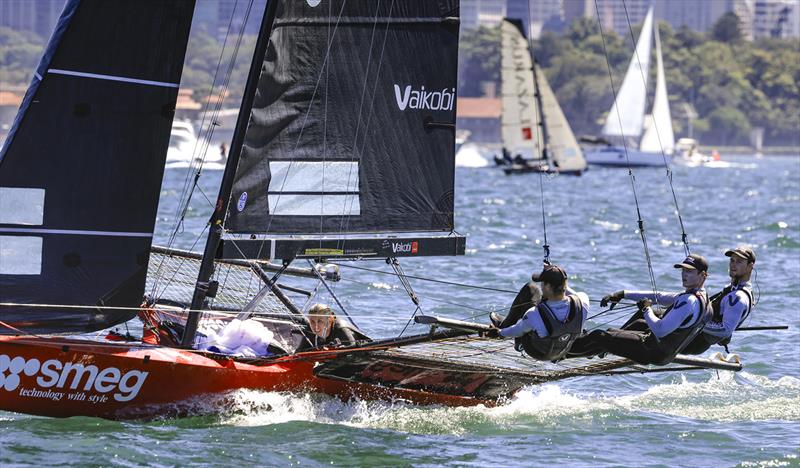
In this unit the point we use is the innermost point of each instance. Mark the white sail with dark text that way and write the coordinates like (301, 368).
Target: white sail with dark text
(532, 121)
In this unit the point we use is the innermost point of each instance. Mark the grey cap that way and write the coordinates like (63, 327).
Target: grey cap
(743, 252)
(693, 262)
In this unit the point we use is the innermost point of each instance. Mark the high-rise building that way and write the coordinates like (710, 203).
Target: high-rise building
(694, 14)
(621, 15)
(36, 16)
(574, 9)
(535, 14)
(776, 18)
(745, 10)
(476, 13)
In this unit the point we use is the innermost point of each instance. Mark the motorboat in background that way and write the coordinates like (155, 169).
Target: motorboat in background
(182, 142)
(186, 150)
(649, 139)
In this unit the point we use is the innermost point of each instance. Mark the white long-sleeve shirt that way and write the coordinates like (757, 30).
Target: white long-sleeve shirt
(532, 320)
(685, 303)
(732, 307)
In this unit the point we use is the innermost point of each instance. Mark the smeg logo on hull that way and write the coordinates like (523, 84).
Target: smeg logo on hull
(54, 374)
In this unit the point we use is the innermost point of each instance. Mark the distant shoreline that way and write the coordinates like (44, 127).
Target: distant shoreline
(747, 150)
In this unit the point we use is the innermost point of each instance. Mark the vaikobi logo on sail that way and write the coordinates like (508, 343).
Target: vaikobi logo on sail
(409, 98)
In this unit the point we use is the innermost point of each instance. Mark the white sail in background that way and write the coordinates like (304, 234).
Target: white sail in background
(520, 130)
(627, 113)
(562, 147)
(659, 136)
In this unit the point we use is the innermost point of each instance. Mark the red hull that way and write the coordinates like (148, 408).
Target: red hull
(65, 377)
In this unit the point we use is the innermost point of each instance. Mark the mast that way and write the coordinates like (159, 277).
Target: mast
(539, 113)
(218, 216)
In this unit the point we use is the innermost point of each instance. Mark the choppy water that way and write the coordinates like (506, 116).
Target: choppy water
(701, 419)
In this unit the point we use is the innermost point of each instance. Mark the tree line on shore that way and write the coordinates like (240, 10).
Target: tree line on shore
(732, 84)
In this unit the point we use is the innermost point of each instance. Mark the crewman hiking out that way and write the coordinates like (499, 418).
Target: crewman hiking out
(731, 306)
(546, 330)
(650, 338)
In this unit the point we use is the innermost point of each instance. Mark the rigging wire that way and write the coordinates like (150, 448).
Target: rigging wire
(204, 142)
(640, 221)
(432, 280)
(395, 264)
(668, 169)
(540, 134)
(344, 222)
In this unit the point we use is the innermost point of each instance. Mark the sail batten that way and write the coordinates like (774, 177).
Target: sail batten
(358, 84)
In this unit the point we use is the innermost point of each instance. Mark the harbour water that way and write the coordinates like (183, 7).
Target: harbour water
(695, 418)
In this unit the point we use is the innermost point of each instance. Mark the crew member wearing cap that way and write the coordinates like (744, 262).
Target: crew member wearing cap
(654, 339)
(547, 330)
(731, 306)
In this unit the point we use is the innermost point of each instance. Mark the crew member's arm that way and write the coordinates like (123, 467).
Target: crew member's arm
(733, 307)
(531, 321)
(686, 307)
(661, 298)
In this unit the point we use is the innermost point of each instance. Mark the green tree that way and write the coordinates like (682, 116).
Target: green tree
(479, 59)
(729, 125)
(728, 28)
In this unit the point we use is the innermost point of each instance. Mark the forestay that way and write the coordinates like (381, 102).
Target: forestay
(352, 127)
(81, 169)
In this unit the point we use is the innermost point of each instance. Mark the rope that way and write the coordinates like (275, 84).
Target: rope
(640, 221)
(542, 144)
(395, 263)
(546, 246)
(421, 278)
(669, 174)
(204, 142)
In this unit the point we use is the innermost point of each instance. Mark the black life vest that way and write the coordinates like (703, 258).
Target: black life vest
(678, 339)
(560, 335)
(716, 305)
(705, 340)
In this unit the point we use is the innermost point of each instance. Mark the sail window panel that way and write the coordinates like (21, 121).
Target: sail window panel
(20, 255)
(314, 205)
(21, 206)
(313, 176)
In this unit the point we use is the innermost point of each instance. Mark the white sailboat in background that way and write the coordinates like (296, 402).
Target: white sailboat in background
(649, 137)
(533, 126)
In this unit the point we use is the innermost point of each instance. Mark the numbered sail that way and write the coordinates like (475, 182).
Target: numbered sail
(626, 116)
(562, 147)
(80, 172)
(519, 120)
(352, 128)
(659, 136)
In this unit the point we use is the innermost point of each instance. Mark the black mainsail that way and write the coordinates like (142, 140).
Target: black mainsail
(352, 126)
(81, 169)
